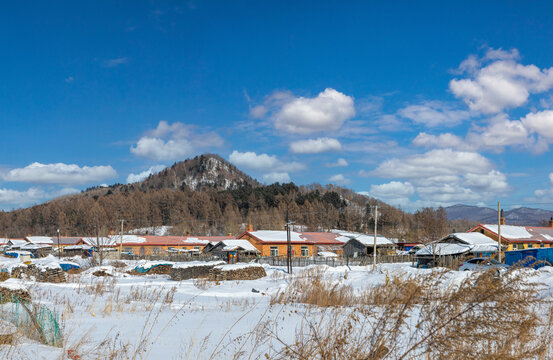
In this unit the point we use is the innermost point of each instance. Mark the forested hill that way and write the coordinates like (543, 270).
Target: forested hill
(209, 196)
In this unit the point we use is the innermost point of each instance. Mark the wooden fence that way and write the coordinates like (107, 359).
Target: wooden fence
(359, 261)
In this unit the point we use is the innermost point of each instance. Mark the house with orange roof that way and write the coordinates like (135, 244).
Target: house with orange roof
(304, 244)
(518, 237)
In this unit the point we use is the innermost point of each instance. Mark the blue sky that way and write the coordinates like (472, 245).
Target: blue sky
(421, 104)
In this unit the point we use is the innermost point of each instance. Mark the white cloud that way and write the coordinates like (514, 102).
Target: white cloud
(116, 62)
(315, 146)
(263, 162)
(446, 140)
(10, 198)
(339, 163)
(20, 198)
(175, 141)
(444, 177)
(499, 134)
(60, 173)
(132, 178)
(325, 112)
(339, 179)
(393, 190)
(497, 82)
(432, 163)
(434, 113)
(541, 195)
(281, 177)
(540, 123)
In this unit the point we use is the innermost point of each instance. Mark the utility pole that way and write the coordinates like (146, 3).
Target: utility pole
(59, 247)
(289, 244)
(374, 246)
(121, 238)
(499, 231)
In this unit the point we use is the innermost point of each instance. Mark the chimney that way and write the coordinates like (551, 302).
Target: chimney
(250, 227)
(502, 218)
(551, 222)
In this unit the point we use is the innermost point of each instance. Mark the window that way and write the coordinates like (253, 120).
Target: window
(520, 246)
(274, 250)
(530, 246)
(542, 245)
(304, 251)
(127, 250)
(155, 250)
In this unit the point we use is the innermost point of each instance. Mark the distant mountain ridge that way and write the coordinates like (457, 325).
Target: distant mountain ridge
(484, 215)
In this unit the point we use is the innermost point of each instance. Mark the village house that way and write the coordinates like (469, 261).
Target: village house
(457, 246)
(157, 245)
(304, 244)
(358, 245)
(231, 250)
(518, 237)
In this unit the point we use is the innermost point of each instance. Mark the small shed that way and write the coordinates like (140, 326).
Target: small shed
(233, 250)
(359, 245)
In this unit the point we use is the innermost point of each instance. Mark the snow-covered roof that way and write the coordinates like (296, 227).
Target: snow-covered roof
(510, 231)
(327, 254)
(276, 236)
(40, 240)
(440, 249)
(31, 246)
(193, 240)
(17, 242)
(367, 240)
(232, 245)
(78, 247)
(102, 241)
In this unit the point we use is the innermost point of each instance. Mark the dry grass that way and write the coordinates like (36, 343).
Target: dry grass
(484, 317)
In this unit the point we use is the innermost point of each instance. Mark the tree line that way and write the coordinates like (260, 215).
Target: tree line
(213, 212)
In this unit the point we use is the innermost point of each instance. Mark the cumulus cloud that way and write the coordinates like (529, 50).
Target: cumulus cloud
(302, 115)
(444, 176)
(540, 123)
(339, 179)
(59, 173)
(132, 178)
(10, 198)
(263, 162)
(498, 81)
(446, 140)
(175, 141)
(315, 146)
(434, 114)
(280, 177)
(496, 136)
(394, 192)
(325, 112)
(339, 163)
(432, 163)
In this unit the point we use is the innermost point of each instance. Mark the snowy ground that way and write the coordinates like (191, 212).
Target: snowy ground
(196, 321)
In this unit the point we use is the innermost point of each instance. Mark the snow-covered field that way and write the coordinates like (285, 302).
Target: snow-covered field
(153, 317)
